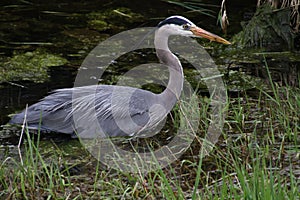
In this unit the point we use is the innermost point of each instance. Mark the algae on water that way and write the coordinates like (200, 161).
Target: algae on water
(113, 19)
(29, 66)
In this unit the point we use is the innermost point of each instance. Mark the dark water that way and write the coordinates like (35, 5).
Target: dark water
(15, 97)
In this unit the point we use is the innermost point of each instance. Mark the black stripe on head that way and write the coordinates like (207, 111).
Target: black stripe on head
(173, 20)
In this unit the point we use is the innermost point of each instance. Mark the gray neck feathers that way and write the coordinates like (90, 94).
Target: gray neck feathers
(175, 84)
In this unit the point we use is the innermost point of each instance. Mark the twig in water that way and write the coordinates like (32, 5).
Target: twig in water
(16, 84)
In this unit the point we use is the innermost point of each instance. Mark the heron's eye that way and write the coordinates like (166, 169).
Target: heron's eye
(186, 26)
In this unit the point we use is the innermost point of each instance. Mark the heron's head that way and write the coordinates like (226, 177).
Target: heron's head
(178, 25)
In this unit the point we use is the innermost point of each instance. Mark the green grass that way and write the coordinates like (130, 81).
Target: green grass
(256, 157)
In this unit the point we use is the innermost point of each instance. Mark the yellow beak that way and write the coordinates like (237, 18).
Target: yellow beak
(205, 34)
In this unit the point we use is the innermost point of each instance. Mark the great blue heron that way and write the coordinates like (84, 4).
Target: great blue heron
(146, 109)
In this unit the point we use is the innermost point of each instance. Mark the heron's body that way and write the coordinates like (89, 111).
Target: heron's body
(54, 112)
(107, 108)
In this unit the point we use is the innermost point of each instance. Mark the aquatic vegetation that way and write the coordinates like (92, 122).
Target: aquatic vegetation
(29, 66)
(113, 19)
(195, 6)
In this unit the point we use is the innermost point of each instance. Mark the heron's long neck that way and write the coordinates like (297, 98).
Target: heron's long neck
(172, 93)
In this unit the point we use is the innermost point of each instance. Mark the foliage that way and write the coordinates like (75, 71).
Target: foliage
(267, 29)
(292, 4)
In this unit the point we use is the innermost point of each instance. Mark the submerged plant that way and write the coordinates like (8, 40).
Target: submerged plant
(195, 6)
(29, 66)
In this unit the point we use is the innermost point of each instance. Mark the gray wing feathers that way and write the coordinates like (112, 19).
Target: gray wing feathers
(104, 103)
